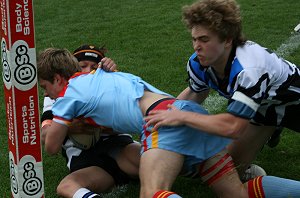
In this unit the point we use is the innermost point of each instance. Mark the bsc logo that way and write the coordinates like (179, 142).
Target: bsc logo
(25, 72)
(13, 179)
(6, 69)
(32, 184)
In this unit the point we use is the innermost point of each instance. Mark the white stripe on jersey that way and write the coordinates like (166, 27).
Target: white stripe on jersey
(63, 122)
(295, 89)
(239, 96)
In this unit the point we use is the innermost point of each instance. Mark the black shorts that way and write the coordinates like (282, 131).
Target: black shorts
(101, 155)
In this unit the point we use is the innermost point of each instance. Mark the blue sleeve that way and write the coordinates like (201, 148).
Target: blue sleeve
(66, 109)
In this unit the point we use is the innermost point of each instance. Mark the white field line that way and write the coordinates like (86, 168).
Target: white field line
(215, 103)
(116, 193)
(289, 46)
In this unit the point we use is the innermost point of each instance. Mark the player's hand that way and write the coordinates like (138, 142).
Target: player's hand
(45, 124)
(107, 64)
(170, 117)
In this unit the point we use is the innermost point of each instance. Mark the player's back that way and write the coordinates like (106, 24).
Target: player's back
(110, 99)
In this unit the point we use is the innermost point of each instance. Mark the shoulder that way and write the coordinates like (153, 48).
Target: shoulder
(249, 50)
(253, 55)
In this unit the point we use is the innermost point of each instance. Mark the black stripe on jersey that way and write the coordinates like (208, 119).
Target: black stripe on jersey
(285, 92)
(201, 87)
(250, 92)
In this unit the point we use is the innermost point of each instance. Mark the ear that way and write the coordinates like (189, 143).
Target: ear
(228, 42)
(59, 79)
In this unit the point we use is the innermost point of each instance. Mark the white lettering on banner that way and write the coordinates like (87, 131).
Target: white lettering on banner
(13, 178)
(23, 22)
(32, 122)
(6, 73)
(3, 17)
(29, 126)
(11, 134)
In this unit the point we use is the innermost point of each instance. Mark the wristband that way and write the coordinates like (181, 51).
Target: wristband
(46, 122)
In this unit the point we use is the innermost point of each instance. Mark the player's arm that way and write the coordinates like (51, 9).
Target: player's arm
(224, 124)
(46, 123)
(47, 116)
(189, 94)
(55, 134)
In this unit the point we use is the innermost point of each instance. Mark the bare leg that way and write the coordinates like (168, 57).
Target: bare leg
(93, 178)
(245, 149)
(230, 186)
(158, 171)
(220, 174)
(129, 159)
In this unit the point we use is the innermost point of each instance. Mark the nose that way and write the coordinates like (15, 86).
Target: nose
(196, 45)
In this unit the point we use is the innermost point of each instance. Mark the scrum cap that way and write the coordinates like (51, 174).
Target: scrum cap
(89, 52)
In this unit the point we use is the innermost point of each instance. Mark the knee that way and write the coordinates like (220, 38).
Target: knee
(60, 188)
(63, 188)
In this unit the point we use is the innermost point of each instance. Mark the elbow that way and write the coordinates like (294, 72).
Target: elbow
(233, 134)
(236, 128)
(51, 150)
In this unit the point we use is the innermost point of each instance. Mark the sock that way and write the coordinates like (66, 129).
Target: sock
(165, 194)
(273, 187)
(255, 189)
(85, 193)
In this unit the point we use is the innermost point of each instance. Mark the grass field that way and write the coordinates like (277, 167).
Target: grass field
(147, 38)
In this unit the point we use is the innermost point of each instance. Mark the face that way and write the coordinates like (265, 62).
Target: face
(87, 66)
(208, 47)
(52, 90)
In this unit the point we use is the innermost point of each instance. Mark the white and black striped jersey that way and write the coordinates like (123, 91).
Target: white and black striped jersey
(259, 85)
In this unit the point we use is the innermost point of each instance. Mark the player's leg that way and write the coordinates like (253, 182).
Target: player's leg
(245, 149)
(129, 159)
(220, 174)
(273, 187)
(91, 169)
(93, 178)
(125, 151)
(158, 171)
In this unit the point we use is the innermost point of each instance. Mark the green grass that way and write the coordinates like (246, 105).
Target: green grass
(147, 38)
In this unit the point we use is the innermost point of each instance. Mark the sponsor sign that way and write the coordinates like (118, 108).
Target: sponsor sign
(18, 57)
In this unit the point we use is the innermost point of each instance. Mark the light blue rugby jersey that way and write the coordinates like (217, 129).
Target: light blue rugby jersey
(110, 99)
(257, 81)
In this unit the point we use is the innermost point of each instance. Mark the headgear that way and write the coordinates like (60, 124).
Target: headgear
(89, 52)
